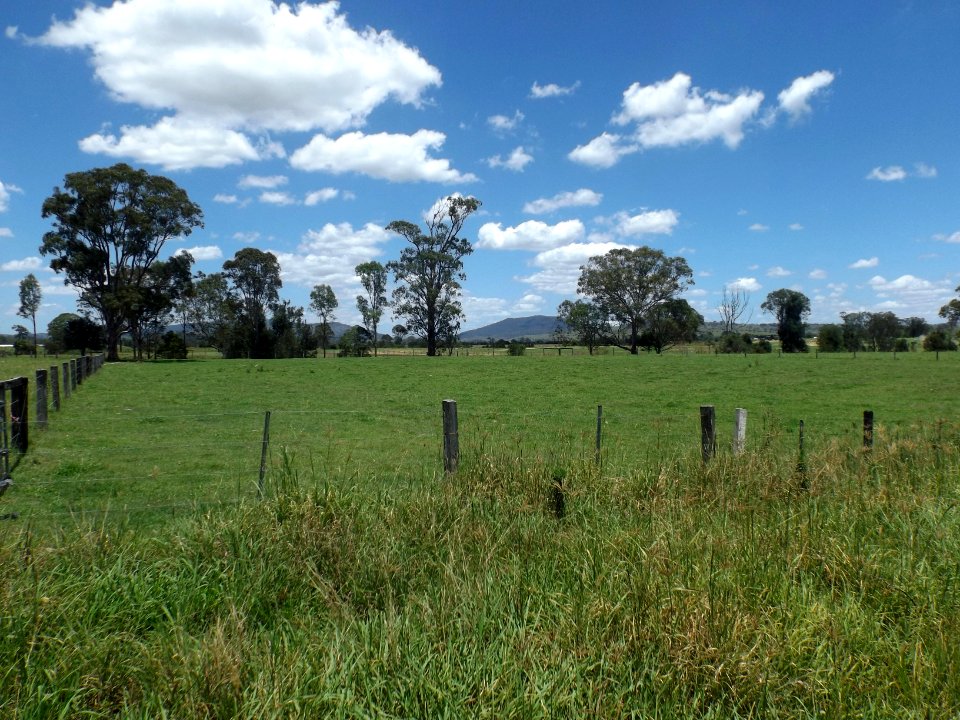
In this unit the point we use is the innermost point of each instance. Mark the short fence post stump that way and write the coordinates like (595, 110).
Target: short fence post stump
(263, 454)
(739, 430)
(708, 432)
(451, 439)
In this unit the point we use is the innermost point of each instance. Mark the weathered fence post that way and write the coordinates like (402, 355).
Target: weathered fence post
(451, 439)
(73, 374)
(739, 430)
(79, 361)
(708, 432)
(55, 387)
(88, 370)
(802, 461)
(263, 453)
(868, 429)
(599, 431)
(66, 379)
(19, 427)
(41, 393)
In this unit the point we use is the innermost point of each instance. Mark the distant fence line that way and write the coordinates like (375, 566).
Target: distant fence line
(14, 413)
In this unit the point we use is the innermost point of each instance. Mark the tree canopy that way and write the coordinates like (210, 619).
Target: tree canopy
(109, 226)
(430, 270)
(790, 308)
(628, 284)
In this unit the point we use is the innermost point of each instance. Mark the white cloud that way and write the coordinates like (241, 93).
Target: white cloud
(277, 198)
(914, 295)
(505, 124)
(203, 252)
(530, 235)
(759, 227)
(517, 161)
(529, 303)
(748, 284)
(181, 143)
(11, 32)
(6, 232)
(226, 199)
(922, 170)
(549, 90)
(795, 100)
(891, 173)
(778, 271)
(817, 274)
(796, 227)
(604, 151)
(245, 65)
(262, 182)
(5, 190)
(320, 196)
(578, 198)
(30, 263)
(951, 238)
(330, 254)
(672, 112)
(560, 267)
(246, 237)
(394, 157)
(865, 263)
(649, 222)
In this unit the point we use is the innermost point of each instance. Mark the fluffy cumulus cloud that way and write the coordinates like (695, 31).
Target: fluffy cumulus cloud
(5, 190)
(516, 161)
(864, 263)
(320, 196)
(604, 151)
(747, 284)
(203, 252)
(649, 222)
(30, 263)
(505, 123)
(387, 156)
(274, 197)
(261, 182)
(228, 69)
(328, 255)
(226, 199)
(538, 91)
(912, 295)
(559, 269)
(530, 235)
(778, 271)
(795, 100)
(891, 173)
(6, 232)
(578, 198)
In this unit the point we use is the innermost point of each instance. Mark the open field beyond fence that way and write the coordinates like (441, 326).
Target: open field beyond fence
(144, 577)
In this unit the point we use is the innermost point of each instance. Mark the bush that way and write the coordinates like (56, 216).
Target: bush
(171, 347)
(939, 340)
(516, 348)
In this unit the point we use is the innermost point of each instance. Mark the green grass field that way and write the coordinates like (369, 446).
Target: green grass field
(143, 578)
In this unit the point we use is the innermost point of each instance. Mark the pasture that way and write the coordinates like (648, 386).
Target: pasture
(144, 577)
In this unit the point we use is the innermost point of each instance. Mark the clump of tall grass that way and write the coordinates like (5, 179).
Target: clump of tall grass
(741, 588)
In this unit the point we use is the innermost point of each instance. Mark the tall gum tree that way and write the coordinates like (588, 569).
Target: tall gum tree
(430, 270)
(109, 226)
(629, 283)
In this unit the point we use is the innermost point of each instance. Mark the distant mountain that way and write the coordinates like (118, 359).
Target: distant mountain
(535, 327)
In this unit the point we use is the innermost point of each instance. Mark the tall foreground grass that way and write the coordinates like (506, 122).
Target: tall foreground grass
(746, 588)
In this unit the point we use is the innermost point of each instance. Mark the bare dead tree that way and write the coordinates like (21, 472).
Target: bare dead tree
(733, 305)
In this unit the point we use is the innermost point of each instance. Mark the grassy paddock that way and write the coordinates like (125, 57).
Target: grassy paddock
(144, 579)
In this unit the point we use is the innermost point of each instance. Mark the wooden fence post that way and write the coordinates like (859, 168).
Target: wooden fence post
(55, 387)
(41, 393)
(19, 427)
(451, 439)
(739, 430)
(868, 429)
(73, 374)
(263, 453)
(802, 461)
(66, 379)
(708, 432)
(599, 431)
(79, 370)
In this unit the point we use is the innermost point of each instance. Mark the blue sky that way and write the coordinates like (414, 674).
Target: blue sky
(803, 145)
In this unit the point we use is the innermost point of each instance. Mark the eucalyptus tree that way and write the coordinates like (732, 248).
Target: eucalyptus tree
(373, 277)
(790, 308)
(430, 270)
(323, 302)
(30, 298)
(109, 227)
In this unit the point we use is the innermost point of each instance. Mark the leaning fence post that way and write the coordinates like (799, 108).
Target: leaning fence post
(739, 430)
(451, 439)
(66, 379)
(708, 432)
(55, 387)
(599, 431)
(868, 429)
(263, 453)
(41, 398)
